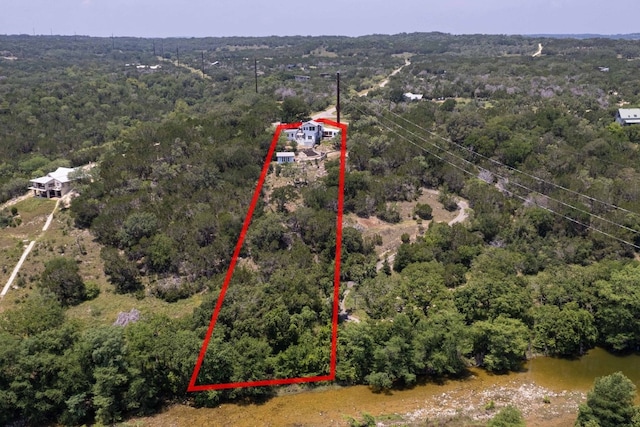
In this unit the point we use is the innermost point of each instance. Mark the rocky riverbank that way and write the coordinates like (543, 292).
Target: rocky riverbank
(539, 406)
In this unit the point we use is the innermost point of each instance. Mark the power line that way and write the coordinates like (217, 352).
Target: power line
(531, 176)
(529, 190)
(536, 178)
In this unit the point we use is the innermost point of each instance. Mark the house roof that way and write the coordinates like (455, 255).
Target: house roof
(629, 113)
(61, 175)
(285, 154)
(42, 180)
(413, 96)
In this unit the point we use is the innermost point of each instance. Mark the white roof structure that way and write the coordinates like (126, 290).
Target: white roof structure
(629, 115)
(285, 154)
(413, 96)
(42, 180)
(61, 174)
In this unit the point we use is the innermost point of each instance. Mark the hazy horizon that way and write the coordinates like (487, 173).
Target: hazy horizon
(255, 18)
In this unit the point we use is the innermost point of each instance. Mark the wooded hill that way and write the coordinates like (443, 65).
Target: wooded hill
(546, 262)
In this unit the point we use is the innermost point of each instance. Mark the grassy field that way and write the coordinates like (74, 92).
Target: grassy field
(63, 239)
(33, 214)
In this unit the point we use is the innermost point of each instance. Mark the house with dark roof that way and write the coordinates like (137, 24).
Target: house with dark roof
(628, 116)
(54, 184)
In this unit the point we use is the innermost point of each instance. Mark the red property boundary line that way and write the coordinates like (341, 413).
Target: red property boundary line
(234, 259)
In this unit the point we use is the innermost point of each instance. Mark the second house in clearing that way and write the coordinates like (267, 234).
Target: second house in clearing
(54, 184)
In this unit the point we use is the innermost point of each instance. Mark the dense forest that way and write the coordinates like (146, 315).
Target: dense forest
(546, 263)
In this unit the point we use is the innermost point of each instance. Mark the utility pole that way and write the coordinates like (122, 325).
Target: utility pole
(202, 64)
(178, 56)
(113, 42)
(154, 48)
(255, 71)
(338, 96)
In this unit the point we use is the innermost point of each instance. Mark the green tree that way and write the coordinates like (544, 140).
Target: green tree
(105, 348)
(294, 109)
(485, 298)
(507, 417)
(423, 211)
(121, 272)
(354, 349)
(136, 226)
(618, 309)
(84, 209)
(609, 403)
(500, 345)
(393, 360)
(162, 253)
(44, 374)
(38, 313)
(568, 332)
(440, 343)
(283, 195)
(448, 105)
(396, 95)
(61, 278)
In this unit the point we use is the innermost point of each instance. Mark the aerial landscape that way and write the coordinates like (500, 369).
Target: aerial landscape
(329, 216)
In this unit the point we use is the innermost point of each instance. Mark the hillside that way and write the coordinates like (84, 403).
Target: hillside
(545, 262)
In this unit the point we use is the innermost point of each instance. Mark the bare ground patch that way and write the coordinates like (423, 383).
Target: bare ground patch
(391, 233)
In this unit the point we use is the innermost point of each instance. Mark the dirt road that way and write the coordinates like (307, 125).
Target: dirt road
(463, 205)
(396, 71)
(539, 52)
(343, 306)
(29, 247)
(429, 196)
(16, 200)
(331, 111)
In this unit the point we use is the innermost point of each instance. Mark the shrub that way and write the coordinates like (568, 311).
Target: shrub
(60, 277)
(423, 211)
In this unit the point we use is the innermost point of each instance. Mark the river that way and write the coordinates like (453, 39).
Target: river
(579, 374)
(548, 392)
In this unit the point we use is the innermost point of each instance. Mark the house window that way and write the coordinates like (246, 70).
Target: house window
(310, 137)
(312, 128)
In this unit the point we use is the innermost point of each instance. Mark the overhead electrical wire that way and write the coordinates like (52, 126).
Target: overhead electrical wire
(536, 178)
(513, 194)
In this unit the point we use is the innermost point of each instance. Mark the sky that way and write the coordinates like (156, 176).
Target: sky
(203, 18)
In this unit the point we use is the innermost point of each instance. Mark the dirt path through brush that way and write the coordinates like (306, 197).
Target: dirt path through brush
(29, 247)
(331, 111)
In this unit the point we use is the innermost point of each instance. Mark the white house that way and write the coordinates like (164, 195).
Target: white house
(628, 116)
(413, 96)
(330, 132)
(307, 135)
(54, 184)
(285, 157)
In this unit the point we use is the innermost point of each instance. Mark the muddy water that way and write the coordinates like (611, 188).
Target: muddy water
(561, 374)
(564, 381)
